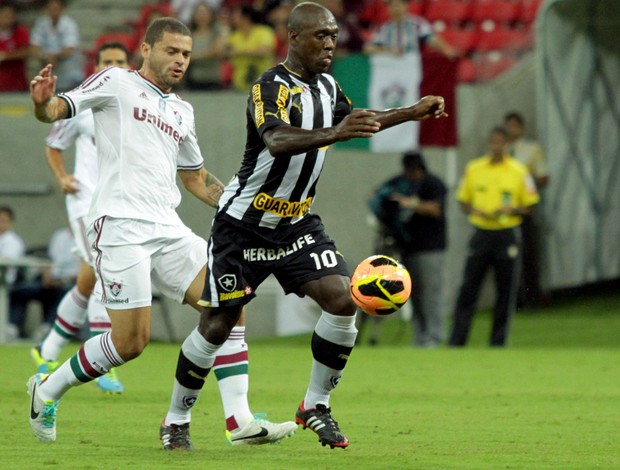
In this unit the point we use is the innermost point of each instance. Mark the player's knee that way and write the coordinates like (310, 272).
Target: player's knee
(215, 332)
(340, 305)
(216, 325)
(131, 348)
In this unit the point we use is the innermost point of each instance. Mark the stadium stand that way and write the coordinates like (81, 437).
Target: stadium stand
(491, 34)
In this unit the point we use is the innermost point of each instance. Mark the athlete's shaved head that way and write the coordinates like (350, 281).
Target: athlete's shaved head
(306, 15)
(312, 36)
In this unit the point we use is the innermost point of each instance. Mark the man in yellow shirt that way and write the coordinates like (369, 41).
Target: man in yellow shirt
(495, 192)
(251, 48)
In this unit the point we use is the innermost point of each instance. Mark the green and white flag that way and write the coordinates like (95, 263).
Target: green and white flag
(395, 82)
(380, 82)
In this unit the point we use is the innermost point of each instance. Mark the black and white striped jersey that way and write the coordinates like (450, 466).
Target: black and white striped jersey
(274, 192)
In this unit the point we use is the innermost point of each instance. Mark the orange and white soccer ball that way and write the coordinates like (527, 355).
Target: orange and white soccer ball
(380, 285)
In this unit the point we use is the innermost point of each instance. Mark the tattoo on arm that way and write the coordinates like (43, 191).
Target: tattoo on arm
(214, 189)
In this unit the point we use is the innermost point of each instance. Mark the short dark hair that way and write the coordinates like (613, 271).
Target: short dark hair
(111, 45)
(413, 160)
(250, 12)
(499, 130)
(158, 27)
(8, 210)
(516, 116)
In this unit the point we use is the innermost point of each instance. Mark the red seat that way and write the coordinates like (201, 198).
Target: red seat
(490, 65)
(500, 11)
(530, 10)
(466, 71)
(502, 37)
(148, 10)
(464, 39)
(416, 7)
(127, 39)
(450, 11)
(374, 13)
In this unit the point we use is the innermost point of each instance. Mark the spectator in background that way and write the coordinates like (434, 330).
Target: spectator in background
(411, 210)
(11, 245)
(55, 40)
(405, 33)
(48, 288)
(277, 18)
(397, 65)
(349, 36)
(184, 9)
(251, 47)
(14, 50)
(531, 154)
(495, 192)
(209, 47)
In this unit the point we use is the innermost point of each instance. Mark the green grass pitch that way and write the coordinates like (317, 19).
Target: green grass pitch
(551, 400)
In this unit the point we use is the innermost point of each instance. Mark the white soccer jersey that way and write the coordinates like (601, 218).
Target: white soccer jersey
(143, 137)
(78, 131)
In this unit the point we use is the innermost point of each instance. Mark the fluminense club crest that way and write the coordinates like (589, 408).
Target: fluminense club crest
(115, 288)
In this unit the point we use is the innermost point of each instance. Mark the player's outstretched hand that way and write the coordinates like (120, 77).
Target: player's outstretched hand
(429, 106)
(357, 124)
(43, 86)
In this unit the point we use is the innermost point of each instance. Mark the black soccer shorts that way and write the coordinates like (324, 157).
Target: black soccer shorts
(241, 257)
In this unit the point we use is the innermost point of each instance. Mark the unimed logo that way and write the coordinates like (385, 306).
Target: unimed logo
(143, 115)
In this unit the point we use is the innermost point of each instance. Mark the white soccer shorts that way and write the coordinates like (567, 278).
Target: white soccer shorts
(130, 254)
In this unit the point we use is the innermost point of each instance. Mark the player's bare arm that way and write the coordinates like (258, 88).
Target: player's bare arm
(56, 161)
(202, 184)
(47, 107)
(427, 107)
(288, 140)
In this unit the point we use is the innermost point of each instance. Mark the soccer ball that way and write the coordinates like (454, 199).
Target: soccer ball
(380, 285)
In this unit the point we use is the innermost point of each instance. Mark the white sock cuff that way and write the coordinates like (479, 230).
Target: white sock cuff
(75, 292)
(337, 329)
(198, 350)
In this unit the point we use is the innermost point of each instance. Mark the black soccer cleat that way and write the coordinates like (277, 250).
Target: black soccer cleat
(321, 422)
(175, 437)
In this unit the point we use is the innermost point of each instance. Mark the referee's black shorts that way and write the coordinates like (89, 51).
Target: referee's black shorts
(241, 257)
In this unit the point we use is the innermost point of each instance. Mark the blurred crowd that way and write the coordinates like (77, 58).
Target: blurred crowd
(233, 39)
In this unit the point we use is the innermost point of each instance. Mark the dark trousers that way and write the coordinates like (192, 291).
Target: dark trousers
(24, 293)
(530, 291)
(501, 251)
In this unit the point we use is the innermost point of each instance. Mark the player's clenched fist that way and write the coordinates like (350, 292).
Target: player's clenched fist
(429, 106)
(357, 124)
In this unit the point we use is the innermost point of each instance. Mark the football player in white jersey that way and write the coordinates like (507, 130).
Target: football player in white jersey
(78, 187)
(145, 137)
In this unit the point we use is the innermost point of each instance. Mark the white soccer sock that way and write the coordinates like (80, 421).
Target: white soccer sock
(98, 318)
(231, 370)
(333, 339)
(70, 317)
(196, 353)
(81, 368)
